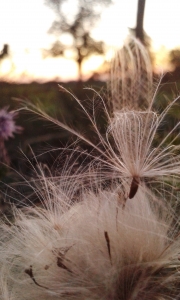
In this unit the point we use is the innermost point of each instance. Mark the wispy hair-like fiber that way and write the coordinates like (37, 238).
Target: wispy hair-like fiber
(96, 250)
(128, 149)
(131, 77)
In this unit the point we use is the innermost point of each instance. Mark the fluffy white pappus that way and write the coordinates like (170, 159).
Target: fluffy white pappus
(131, 77)
(130, 138)
(135, 155)
(98, 249)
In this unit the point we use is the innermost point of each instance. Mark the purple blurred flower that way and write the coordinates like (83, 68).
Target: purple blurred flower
(7, 129)
(7, 124)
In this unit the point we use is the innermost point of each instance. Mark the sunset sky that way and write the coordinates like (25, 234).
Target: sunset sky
(24, 26)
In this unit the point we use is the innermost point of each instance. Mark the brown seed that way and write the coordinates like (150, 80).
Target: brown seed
(108, 244)
(31, 275)
(134, 187)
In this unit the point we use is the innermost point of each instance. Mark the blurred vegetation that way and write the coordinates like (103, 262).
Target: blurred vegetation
(39, 134)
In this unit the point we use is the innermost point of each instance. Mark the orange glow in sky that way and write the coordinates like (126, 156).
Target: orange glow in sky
(24, 26)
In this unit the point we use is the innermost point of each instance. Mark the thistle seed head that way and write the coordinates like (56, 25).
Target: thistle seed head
(99, 250)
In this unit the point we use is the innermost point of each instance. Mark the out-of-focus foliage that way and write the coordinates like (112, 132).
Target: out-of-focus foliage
(40, 139)
(174, 57)
(37, 132)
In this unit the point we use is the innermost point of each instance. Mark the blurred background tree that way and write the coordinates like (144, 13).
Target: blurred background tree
(4, 52)
(139, 31)
(76, 27)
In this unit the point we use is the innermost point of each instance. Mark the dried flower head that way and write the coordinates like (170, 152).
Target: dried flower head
(7, 124)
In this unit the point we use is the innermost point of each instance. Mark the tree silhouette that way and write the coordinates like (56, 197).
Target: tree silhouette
(78, 25)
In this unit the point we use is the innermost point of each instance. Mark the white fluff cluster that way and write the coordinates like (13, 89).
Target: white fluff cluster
(118, 243)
